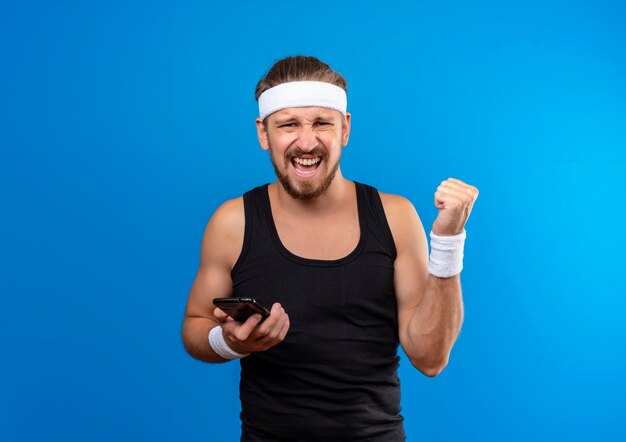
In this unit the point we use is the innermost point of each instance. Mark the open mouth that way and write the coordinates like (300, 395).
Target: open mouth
(306, 167)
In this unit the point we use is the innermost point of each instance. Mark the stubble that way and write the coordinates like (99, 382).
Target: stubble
(305, 190)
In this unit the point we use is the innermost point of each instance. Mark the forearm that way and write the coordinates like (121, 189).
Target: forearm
(195, 336)
(435, 324)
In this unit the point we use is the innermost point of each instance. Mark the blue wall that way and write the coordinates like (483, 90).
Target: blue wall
(124, 125)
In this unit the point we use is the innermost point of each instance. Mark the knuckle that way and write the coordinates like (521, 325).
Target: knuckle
(241, 334)
(274, 335)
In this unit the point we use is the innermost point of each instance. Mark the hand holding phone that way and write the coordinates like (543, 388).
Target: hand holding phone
(244, 334)
(240, 309)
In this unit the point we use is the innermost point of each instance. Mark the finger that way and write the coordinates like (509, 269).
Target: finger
(454, 180)
(276, 315)
(243, 332)
(456, 188)
(445, 198)
(273, 334)
(285, 329)
(473, 190)
(220, 315)
(277, 335)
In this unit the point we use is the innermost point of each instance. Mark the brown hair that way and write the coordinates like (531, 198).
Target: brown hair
(299, 68)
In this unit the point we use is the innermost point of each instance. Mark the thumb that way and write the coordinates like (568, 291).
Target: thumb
(221, 316)
(440, 201)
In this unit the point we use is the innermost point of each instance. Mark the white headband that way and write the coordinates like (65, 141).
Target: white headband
(302, 94)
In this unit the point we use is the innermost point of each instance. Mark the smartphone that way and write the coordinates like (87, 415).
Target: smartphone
(241, 309)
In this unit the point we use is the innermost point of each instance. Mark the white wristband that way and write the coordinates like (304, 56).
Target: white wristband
(446, 254)
(219, 346)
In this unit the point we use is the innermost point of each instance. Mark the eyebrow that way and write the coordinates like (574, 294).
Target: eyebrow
(292, 118)
(285, 120)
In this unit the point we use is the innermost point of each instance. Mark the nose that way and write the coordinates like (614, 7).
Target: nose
(307, 140)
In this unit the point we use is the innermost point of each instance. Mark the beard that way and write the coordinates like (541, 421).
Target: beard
(304, 190)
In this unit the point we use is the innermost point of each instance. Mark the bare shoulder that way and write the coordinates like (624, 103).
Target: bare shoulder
(395, 204)
(229, 212)
(404, 222)
(398, 210)
(224, 233)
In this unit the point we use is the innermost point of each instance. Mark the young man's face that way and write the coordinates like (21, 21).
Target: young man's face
(305, 147)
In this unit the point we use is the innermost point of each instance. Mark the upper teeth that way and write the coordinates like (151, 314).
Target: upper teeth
(307, 161)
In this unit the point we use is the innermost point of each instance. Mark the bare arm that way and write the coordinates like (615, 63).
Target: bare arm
(221, 247)
(430, 309)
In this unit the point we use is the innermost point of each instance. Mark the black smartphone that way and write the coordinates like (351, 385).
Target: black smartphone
(241, 309)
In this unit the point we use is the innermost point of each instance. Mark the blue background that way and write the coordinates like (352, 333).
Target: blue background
(124, 125)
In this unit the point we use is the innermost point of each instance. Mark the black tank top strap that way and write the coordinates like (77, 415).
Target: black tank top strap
(255, 222)
(377, 215)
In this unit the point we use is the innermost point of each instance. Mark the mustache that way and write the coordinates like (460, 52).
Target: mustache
(297, 152)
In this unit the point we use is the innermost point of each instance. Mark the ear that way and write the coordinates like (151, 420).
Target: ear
(346, 129)
(261, 133)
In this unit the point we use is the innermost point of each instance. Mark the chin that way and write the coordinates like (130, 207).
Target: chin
(303, 192)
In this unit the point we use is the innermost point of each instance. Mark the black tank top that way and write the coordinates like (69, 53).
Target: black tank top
(334, 377)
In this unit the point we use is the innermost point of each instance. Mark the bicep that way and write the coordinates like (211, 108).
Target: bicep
(212, 281)
(411, 264)
(221, 246)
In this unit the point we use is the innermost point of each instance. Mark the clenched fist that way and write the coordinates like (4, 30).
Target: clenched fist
(454, 199)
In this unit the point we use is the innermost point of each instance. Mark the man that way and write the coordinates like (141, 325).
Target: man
(344, 268)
